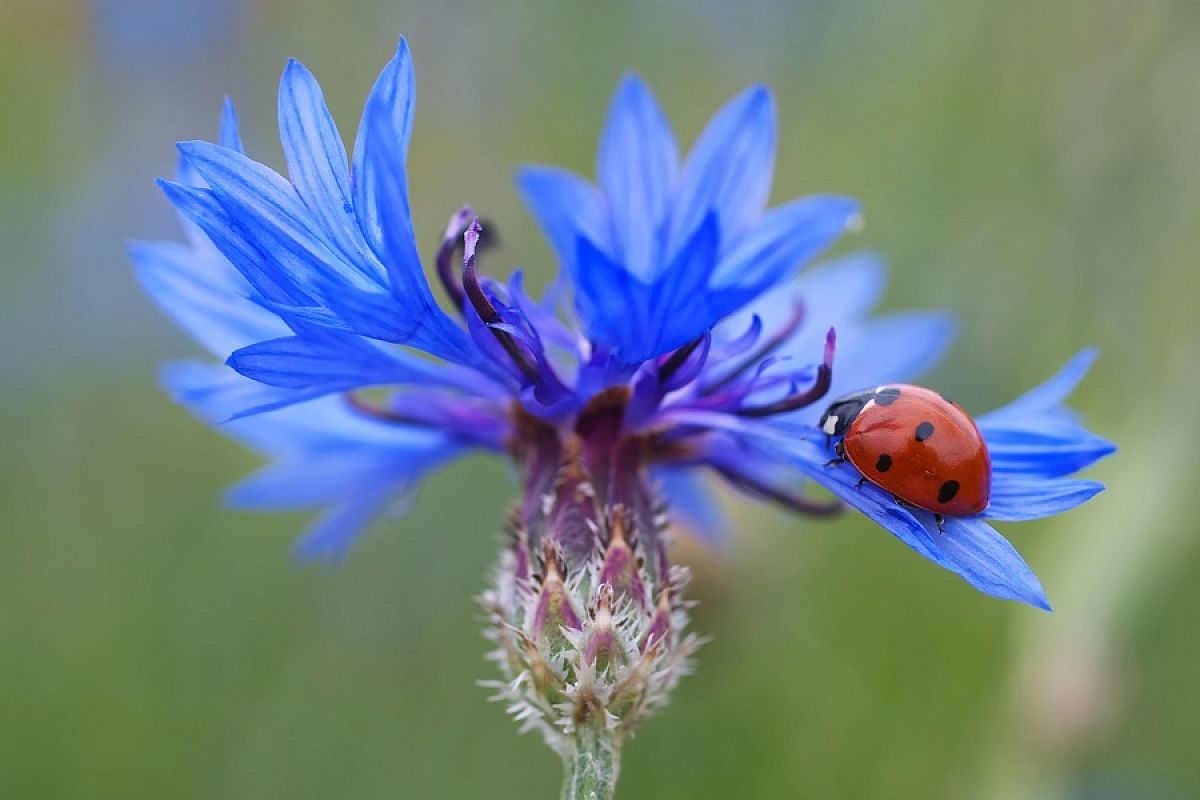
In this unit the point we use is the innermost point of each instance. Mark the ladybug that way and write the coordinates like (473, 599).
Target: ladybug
(914, 443)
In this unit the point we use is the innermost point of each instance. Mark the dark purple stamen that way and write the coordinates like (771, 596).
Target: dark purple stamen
(815, 392)
(678, 359)
(484, 308)
(384, 414)
(445, 255)
(755, 358)
(791, 501)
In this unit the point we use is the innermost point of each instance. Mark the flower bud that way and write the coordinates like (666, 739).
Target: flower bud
(587, 616)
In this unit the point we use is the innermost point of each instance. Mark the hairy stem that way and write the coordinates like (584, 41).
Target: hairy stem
(592, 761)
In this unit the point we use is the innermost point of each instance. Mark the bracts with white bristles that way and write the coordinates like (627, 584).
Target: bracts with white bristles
(588, 615)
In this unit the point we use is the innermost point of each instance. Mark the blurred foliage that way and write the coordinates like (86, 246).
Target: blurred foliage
(1031, 165)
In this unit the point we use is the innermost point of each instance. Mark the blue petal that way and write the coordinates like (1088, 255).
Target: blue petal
(207, 298)
(890, 348)
(370, 313)
(832, 293)
(332, 536)
(568, 209)
(968, 547)
(1045, 398)
(611, 302)
(1016, 498)
(381, 191)
(840, 294)
(641, 321)
(266, 232)
(729, 169)
(201, 207)
(230, 137)
(987, 561)
(359, 480)
(1038, 436)
(783, 240)
(329, 456)
(638, 162)
(1050, 454)
(693, 501)
(266, 211)
(299, 483)
(326, 318)
(217, 394)
(388, 112)
(542, 317)
(334, 470)
(316, 160)
(426, 325)
(331, 362)
(311, 431)
(327, 425)
(681, 307)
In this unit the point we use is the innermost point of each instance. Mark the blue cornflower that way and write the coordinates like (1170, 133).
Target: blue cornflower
(691, 343)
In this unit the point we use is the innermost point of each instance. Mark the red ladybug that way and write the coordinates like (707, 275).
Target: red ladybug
(914, 443)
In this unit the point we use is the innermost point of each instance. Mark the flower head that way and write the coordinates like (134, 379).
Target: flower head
(691, 346)
(660, 252)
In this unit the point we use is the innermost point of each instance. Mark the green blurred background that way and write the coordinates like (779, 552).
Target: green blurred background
(1031, 165)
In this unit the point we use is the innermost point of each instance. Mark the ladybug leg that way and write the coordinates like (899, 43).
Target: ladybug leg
(860, 483)
(840, 452)
(937, 518)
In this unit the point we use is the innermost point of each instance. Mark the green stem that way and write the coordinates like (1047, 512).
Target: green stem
(592, 761)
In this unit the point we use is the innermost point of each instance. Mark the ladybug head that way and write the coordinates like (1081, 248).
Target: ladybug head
(841, 412)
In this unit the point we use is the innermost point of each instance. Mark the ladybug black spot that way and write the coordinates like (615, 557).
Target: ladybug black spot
(924, 431)
(947, 492)
(884, 463)
(887, 396)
